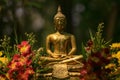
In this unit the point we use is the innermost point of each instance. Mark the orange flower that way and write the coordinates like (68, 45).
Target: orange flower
(24, 48)
(15, 62)
(2, 77)
(19, 67)
(24, 75)
(19, 61)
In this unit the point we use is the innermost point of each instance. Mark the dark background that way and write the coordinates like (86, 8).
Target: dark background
(20, 16)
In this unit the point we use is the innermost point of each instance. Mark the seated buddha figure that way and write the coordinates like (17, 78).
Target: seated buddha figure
(61, 47)
(60, 44)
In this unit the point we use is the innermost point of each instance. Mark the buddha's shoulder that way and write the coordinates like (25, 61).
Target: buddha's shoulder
(51, 35)
(68, 34)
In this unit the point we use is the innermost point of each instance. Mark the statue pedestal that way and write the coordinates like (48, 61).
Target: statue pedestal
(62, 68)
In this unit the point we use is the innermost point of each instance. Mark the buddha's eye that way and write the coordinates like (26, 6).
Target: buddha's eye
(60, 21)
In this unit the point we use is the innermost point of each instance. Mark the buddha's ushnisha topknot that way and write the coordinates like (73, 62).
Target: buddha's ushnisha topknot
(59, 13)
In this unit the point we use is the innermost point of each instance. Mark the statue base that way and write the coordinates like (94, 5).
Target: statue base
(65, 68)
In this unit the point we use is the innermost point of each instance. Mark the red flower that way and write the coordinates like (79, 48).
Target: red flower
(28, 62)
(16, 56)
(106, 50)
(10, 74)
(83, 72)
(90, 43)
(24, 48)
(19, 67)
(2, 77)
(82, 79)
(14, 65)
(24, 75)
(16, 62)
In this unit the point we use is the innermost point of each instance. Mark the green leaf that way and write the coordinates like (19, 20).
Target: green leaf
(91, 35)
(83, 52)
(1, 72)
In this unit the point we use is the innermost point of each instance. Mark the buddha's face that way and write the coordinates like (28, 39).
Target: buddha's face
(60, 23)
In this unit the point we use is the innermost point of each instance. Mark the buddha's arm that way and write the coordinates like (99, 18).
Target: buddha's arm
(48, 45)
(48, 49)
(73, 44)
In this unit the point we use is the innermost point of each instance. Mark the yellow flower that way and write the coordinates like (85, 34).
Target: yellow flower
(111, 65)
(4, 60)
(118, 55)
(113, 55)
(1, 53)
(2, 77)
(115, 45)
(7, 76)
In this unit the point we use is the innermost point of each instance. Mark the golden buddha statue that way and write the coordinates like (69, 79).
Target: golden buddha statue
(61, 47)
(63, 43)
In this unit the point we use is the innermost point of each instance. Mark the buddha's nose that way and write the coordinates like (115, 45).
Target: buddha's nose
(59, 22)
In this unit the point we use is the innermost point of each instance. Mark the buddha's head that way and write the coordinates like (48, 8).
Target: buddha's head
(59, 20)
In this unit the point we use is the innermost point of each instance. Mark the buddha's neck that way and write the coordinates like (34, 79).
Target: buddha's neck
(60, 32)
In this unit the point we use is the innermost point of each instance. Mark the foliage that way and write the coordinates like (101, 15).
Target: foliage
(22, 61)
(102, 60)
(98, 41)
(5, 46)
(97, 53)
(114, 65)
(19, 67)
(31, 38)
